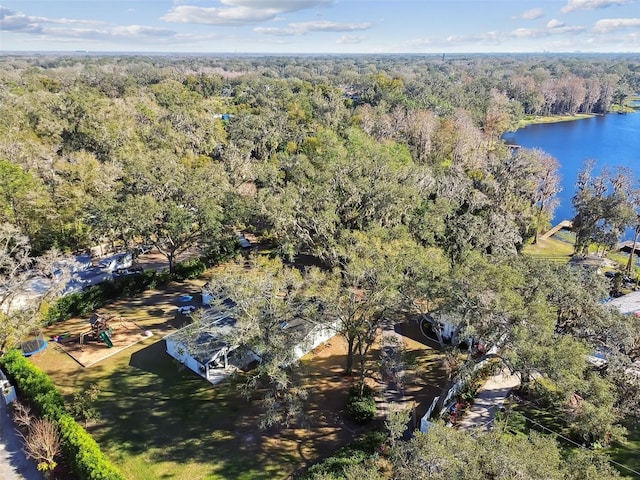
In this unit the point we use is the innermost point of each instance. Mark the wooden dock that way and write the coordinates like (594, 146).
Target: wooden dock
(568, 224)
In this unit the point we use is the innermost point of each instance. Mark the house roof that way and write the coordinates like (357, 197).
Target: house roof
(626, 304)
(204, 341)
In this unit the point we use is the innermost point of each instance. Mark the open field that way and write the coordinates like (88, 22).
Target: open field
(159, 420)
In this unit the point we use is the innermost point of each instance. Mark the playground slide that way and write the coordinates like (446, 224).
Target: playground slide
(105, 338)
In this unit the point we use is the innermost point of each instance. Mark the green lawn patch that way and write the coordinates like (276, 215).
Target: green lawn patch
(548, 421)
(550, 249)
(162, 421)
(533, 120)
(627, 453)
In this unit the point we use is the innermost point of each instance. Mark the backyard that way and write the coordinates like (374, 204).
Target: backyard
(160, 420)
(624, 455)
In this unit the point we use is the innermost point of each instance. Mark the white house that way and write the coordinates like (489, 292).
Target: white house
(202, 347)
(308, 336)
(446, 327)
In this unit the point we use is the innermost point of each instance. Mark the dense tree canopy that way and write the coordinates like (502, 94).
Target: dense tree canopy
(388, 171)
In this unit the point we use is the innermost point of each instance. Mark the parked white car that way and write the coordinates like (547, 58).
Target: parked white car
(121, 260)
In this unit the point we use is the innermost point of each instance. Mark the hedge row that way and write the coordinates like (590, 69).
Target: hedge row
(81, 303)
(81, 450)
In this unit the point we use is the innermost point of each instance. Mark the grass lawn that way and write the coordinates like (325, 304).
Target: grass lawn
(625, 453)
(161, 421)
(550, 249)
(628, 452)
(533, 120)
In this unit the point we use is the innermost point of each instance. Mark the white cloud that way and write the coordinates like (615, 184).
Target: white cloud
(276, 31)
(132, 31)
(416, 43)
(350, 39)
(590, 4)
(326, 26)
(555, 23)
(532, 14)
(303, 28)
(19, 22)
(70, 29)
(528, 33)
(492, 38)
(239, 12)
(607, 25)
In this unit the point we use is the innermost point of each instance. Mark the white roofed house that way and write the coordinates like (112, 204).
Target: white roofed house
(306, 335)
(627, 304)
(205, 346)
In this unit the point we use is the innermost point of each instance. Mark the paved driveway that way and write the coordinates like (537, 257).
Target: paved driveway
(14, 465)
(489, 400)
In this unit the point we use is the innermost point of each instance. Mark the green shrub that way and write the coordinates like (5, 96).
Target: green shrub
(82, 303)
(371, 441)
(358, 452)
(192, 268)
(361, 409)
(81, 450)
(354, 390)
(337, 463)
(87, 460)
(224, 249)
(33, 384)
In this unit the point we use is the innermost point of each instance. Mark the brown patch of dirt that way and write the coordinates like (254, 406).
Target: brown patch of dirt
(291, 448)
(87, 351)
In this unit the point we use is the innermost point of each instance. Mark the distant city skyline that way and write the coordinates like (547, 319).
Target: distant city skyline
(320, 26)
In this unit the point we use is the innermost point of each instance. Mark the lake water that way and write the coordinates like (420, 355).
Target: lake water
(611, 140)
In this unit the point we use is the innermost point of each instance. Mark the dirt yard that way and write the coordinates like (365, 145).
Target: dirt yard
(161, 421)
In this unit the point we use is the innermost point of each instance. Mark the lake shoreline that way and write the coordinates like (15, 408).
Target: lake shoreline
(609, 140)
(538, 120)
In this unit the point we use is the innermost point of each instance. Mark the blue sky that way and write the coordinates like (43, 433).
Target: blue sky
(321, 26)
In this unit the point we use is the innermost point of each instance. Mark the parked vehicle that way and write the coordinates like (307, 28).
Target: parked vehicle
(143, 249)
(119, 261)
(121, 272)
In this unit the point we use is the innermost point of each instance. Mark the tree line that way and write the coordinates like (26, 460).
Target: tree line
(390, 172)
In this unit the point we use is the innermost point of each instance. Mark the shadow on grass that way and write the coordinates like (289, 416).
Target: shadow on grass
(160, 420)
(155, 410)
(627, 452)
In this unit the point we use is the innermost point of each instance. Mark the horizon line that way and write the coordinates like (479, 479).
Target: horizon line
(165, 53)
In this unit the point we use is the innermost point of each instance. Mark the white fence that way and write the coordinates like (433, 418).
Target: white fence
(455, 388)
(6, 389)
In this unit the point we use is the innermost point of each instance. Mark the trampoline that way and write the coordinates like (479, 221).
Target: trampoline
(33, 346)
